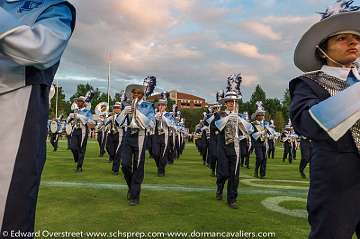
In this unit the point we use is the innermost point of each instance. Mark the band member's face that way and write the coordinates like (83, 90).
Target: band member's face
(260, 117)
(230, 105)
(137, 93)
(343, 48)
(80, 104)
(117, 110)
(161, 107)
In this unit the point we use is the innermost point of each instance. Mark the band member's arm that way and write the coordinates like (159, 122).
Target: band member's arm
(108, 120)
(70, 118)
(311, 118)
(256, 135)
(121, 118)
(40, 45)
(248, 127)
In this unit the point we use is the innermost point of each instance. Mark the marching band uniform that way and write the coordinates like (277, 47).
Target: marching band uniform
(54, 136)
(117, 160)
(101, 135)
(80, 132)
(160, 144)
(172, 147)
(260, 137)
(287, 142)
(214, 132)
(294, 144)
(271, 141)
(325, 108)
(245, 145)
(203, 140)
(231, 126)
(112, 135)
(68, 134)
(183, 136)
(33, 37)
(134, 145)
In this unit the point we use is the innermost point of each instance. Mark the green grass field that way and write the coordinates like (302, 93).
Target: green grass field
(184, 200)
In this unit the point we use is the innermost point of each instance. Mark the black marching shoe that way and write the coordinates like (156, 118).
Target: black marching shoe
(78, 169)
(219, 195)
(133, 202)
(303, 175)
(233, 205)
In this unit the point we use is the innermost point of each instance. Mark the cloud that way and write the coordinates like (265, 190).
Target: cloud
(262, 30)
(251, 51)
(290, 20)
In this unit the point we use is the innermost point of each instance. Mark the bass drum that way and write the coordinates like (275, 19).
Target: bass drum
(54, 127)
(68, 129)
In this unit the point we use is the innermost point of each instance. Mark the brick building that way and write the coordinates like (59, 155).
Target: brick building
(184, 100)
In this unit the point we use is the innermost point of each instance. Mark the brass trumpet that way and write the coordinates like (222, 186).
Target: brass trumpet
(133, 123)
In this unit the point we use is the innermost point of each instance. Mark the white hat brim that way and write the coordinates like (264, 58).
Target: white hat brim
(130, 88)
(305, 53)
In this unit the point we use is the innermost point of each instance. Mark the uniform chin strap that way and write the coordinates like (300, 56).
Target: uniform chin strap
(324, 53)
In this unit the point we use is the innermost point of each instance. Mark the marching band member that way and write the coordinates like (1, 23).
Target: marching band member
(295, 143)
(101, 110)
(214, 132)
(325, 108)
(55, 132)
(245, 145)
(161, 137)
(231, 126)
(178, 135)
(81, 121)
(121, 132)
(172, 155)
(197, 136)
(287, 142)
(139, 117)
(260, 135)
(112, 136)
(32, 40)
(204, 140)
(101, 136)
(271, 140)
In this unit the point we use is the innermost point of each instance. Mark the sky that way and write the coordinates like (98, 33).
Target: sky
(189, 45)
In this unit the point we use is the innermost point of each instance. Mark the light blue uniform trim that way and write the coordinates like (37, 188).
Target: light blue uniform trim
(86, 113)
(337, 114)
(35, 37)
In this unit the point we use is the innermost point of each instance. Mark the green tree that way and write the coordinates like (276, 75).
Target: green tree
(279, 121)
(257, 95)
(286, 103)
(192, 117)
(272, 105)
